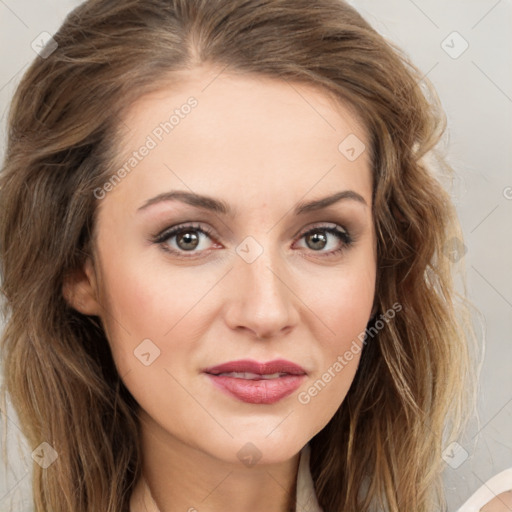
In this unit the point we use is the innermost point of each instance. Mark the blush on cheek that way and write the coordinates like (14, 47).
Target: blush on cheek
(345, 314)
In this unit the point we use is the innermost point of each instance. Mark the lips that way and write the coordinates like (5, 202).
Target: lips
(257, 383)
(250, 366)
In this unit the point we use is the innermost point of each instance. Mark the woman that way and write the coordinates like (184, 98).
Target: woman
(228, 266)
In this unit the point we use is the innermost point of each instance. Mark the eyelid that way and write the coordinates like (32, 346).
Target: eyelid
(163, 235)
(321, 225)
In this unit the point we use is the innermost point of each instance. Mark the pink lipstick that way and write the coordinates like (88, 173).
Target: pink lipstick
(257, 383)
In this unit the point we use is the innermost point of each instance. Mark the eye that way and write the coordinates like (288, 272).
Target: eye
(195, 239)
(327, 240)
(185, 238)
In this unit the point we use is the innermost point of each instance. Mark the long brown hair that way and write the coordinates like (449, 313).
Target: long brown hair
(383, 446)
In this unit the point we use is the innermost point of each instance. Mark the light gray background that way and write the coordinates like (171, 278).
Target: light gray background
(476, 92)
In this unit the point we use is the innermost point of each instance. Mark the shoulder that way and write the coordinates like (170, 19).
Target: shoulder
(501, 503)
(495, 495)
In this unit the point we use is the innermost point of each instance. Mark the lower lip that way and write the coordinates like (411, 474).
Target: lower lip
(264, 391)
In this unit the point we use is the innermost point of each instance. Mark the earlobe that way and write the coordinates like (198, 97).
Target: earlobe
(80, 290)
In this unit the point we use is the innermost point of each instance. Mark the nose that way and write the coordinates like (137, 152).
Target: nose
(261, 298)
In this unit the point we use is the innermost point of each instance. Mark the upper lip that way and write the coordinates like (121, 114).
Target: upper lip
(251, 366)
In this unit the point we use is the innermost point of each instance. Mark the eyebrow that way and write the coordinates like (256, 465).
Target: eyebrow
(221, 207)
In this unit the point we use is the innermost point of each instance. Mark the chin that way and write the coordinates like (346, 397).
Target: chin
(259, 448)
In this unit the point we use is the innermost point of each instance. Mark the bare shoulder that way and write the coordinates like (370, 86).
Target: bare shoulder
(501, 503)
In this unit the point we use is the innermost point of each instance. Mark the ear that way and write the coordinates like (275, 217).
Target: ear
(80, 289)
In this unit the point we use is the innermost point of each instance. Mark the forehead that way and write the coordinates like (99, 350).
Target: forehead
(208, 129)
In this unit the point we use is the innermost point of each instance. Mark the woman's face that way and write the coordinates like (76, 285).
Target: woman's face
(260, 269)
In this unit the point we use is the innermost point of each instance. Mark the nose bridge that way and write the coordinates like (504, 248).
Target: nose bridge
(263, 274)
(262, 301)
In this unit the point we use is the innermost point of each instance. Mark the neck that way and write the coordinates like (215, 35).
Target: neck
(178, 477)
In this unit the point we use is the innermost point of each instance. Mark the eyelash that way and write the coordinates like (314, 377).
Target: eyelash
(161, 238)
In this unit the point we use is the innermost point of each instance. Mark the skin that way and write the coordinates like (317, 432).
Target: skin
(262, 146)
(501, 503)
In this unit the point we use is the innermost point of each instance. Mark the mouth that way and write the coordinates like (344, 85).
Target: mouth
(257, 383)
(249, 375)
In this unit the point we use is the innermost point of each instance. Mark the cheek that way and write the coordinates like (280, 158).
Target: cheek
(340, 355)
(147, 293)
(342, 309)
(150, 324)
(341, 300)
(146, 300)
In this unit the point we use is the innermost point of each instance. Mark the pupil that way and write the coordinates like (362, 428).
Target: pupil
(318, 240)
(188, 238)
